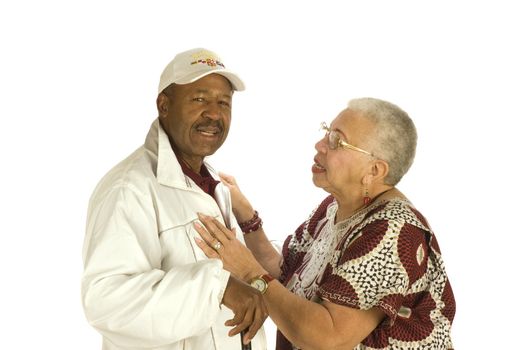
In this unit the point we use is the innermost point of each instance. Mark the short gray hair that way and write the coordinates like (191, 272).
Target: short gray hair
(395, 135)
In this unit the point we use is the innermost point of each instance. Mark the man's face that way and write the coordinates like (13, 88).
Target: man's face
(196, 117)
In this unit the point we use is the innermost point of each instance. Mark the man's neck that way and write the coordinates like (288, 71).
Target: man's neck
(194, 166)
(201, 177)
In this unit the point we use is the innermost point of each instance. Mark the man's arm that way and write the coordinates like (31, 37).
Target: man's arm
(248, 307)
(126, 294)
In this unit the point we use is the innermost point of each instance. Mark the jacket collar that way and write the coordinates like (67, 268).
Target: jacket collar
(168, 169)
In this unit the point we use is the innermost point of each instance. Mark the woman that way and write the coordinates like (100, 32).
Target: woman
(364, 271)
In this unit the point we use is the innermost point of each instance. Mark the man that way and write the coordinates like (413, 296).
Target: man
(146, 284)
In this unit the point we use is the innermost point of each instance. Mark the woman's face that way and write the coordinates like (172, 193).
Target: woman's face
(340, 171)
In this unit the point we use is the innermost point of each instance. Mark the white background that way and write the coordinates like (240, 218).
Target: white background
(78, 84)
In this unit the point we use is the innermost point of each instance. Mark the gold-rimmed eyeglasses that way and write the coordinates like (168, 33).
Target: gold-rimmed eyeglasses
(335, 141)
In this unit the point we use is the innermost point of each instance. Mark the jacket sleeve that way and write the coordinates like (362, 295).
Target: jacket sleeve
(126, 294)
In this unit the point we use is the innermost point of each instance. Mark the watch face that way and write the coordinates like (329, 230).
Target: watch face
(259, 284)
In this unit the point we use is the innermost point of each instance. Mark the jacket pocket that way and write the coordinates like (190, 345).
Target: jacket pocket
(178, 246)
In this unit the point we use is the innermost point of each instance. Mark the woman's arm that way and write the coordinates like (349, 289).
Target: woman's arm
(256, 241)
(264, 252)
(307, 324)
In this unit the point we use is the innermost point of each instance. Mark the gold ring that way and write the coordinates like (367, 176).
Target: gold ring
(217, 245)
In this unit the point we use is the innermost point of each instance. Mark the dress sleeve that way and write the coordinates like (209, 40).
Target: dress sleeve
(126, 294)
(376, 266)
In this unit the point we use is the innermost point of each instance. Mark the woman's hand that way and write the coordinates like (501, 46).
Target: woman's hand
(221, 243)
(240, 205)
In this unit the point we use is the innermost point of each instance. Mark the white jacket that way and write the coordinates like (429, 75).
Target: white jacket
(146, 284)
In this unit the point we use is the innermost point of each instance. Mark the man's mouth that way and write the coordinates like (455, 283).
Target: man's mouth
(209, 130)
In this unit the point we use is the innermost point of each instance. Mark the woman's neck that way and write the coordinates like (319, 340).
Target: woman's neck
(347, 208)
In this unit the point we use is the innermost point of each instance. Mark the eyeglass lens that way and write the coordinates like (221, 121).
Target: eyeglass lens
(334, 140)
(332, 136)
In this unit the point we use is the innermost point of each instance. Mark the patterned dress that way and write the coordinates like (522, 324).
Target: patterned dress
(384, 256)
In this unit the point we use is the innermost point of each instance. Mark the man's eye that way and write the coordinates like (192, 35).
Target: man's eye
(199, 99)
(224, 103)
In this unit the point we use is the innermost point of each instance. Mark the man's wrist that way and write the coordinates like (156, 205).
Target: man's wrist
(224, 278)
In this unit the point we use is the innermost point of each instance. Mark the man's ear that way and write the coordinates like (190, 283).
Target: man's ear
(163, 103)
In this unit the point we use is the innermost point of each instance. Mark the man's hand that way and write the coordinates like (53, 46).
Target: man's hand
(248, 306)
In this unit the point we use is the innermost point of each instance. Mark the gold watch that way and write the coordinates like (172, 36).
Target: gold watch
(261, 282)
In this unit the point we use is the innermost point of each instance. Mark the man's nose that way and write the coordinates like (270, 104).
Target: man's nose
(212, 111)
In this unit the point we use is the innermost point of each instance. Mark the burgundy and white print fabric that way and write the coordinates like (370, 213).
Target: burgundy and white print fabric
(384, 256)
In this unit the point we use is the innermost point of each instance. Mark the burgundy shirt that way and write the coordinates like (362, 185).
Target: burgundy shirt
(204, 179)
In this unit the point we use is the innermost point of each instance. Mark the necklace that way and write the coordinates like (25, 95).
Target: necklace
(377, 196)
(364, 207)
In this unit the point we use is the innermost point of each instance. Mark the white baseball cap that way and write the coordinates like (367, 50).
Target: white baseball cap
(192, 65)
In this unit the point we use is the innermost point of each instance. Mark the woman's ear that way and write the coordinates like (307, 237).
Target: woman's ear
(380, 169)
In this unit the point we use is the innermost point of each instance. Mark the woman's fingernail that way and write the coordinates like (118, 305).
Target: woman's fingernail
(198, 240)
(202, 216)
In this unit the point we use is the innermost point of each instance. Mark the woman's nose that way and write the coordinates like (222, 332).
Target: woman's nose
(321, 146)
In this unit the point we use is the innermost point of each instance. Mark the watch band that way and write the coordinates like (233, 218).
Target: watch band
(267, 277)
